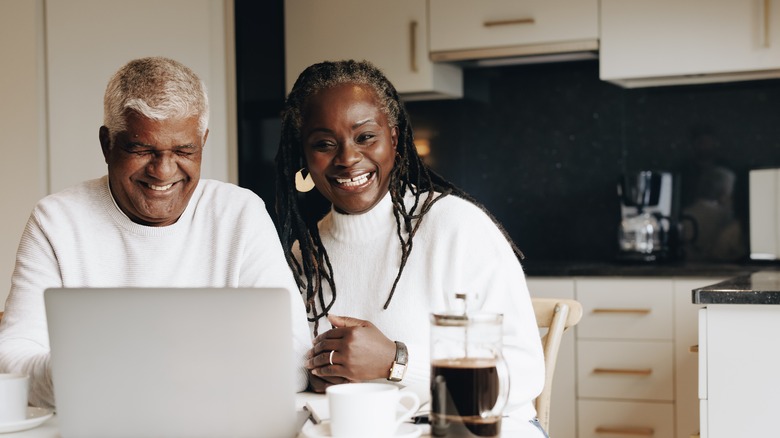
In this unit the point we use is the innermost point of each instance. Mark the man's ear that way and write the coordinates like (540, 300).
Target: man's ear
(205, 136)
(105, 142)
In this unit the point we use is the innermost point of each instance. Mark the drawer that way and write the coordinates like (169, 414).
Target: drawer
(469, 25)
(639, 370)
(614, 419)
(626, 308)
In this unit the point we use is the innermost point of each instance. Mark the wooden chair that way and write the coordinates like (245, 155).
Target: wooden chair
(556, 316)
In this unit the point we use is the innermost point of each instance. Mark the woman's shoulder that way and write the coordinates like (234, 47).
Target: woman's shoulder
(457, 211)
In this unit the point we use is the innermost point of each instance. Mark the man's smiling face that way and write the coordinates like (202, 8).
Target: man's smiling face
(154, 167)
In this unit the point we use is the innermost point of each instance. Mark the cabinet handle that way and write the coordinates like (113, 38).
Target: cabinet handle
(642, 431)
(635, 372)
(413, 46)
(693, 349)
(635, 311)
(765, 23)
(492, 23)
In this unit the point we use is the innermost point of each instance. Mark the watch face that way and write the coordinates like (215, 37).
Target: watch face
(398, 371)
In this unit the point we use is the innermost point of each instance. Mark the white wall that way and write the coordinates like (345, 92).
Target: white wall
(57, 56)
(23, 164)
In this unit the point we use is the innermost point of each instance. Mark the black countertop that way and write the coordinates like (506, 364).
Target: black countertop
(757, 288)
(564, 269)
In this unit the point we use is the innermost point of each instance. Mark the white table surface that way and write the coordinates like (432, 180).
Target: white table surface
(50, 428)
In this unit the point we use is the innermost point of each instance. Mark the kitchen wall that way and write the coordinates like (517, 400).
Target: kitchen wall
(542, 146)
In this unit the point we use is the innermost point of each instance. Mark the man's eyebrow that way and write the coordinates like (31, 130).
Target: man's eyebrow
(138, 144)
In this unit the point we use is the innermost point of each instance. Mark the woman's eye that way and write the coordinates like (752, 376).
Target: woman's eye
(322, 145)
(363, 138)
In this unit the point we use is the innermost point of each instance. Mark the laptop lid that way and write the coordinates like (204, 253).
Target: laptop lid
(143, 362)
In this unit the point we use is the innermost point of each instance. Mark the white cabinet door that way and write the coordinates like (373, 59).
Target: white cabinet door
(742, 359)
(393, 35)
(465, 29)
(686, 354)
(563, 420)
(615, 308)
(646, 39)
(622, 419)
(627, 370)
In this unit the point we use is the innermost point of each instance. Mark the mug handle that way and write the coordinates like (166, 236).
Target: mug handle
(503, 390)
(409, 412)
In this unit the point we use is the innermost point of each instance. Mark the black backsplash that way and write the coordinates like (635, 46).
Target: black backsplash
(542, 146)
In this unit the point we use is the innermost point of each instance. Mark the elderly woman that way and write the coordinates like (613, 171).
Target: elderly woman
(398, 243)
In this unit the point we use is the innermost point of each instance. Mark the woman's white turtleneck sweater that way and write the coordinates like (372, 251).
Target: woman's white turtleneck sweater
(457, 249)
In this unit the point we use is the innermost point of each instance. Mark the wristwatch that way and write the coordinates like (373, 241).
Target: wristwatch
(398, 369)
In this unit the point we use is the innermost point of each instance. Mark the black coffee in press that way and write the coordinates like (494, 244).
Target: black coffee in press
(460, 391)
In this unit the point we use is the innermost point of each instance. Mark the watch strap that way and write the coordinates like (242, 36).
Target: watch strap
(401, 353)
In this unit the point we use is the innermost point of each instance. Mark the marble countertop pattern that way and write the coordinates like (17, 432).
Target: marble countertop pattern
(535, 268)
(762, 287)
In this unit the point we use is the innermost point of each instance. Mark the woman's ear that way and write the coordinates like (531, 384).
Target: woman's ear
(394, 137)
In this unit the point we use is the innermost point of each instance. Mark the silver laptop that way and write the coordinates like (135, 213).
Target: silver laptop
(159, 362)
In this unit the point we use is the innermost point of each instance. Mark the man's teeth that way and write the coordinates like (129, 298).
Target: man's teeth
(356, 181)
(160, 188)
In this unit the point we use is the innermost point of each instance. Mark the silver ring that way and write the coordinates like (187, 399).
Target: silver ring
(330, 359)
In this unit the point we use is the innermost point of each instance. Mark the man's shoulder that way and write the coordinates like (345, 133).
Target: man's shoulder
(225, 193)
(88, 191)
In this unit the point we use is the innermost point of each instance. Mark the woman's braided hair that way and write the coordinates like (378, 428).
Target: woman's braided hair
(297, 221)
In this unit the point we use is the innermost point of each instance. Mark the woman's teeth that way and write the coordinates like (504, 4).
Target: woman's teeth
(160, 188)
(356, 181)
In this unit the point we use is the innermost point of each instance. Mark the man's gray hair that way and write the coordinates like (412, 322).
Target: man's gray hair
(156, 88)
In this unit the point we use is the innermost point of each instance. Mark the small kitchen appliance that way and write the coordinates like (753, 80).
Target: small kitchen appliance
(646, 231)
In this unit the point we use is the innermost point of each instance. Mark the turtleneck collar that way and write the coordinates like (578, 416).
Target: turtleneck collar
(361, 227)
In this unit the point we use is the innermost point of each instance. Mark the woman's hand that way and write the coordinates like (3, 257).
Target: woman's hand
(320, 384)
(359, 352)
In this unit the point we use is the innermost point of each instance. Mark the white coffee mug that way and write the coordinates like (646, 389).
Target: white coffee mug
(13, 397)
(359, 410)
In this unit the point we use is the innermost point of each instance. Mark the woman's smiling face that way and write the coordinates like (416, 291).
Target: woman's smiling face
(349, 146)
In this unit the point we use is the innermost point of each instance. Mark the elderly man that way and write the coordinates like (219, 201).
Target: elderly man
(150, 222)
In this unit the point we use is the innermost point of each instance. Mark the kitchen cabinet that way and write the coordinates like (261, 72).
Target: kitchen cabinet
(464, 29)
(635, 367)
(625, 355)
(738, 386)
(666, 42)
(392, 35)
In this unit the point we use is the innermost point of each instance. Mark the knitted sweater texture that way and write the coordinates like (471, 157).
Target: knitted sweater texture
(457, 249)
(80, 238)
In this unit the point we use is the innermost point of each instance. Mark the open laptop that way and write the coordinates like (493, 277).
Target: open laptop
(164, 362)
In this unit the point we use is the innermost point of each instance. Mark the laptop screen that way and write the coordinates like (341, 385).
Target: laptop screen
(145, 362)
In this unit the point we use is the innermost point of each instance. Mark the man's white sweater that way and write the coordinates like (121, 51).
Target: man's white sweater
(80, 238)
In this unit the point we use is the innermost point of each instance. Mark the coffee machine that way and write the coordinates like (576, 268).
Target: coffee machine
(647, 228)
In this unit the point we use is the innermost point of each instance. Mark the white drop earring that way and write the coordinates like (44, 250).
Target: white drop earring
(303, 183)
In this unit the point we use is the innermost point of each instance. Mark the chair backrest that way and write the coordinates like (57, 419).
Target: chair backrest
(556, 315)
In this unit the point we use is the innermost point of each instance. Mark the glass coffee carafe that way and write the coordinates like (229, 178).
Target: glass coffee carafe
(469, 376)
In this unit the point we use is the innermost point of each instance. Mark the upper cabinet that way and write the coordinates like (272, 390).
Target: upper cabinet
(467, 29)
(669, 42)
(393, 35)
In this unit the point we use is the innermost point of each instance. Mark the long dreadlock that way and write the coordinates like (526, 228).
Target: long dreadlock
(297, 221)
